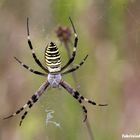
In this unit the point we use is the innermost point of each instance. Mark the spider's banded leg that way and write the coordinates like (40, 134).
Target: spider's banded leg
(92, 102)
(34, 99)
(76, 67)
(31, 47)
(79, 97)
(30, 102)
(76, 95)
(30, 69)
(74, 47)
(23, 116)
(84, 109)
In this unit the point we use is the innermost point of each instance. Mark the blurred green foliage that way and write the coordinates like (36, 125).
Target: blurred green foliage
(102, 30)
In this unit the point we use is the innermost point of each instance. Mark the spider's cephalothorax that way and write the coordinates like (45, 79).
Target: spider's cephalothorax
(53, 72)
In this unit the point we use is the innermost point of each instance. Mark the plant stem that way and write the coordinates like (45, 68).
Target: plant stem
(90, 132)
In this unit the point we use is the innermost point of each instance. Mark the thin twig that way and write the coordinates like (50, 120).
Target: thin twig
(90, 132)
(64, 34)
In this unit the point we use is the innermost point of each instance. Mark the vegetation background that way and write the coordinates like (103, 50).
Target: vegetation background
(109, 31)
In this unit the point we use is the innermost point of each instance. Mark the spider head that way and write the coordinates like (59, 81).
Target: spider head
(54, 80)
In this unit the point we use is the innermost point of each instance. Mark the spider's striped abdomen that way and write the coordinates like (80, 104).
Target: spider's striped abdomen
(52, 58)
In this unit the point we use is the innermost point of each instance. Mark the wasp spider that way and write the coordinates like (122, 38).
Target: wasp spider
(53, 73)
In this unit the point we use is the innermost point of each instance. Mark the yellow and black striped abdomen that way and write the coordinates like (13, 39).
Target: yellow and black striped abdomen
(52, 58)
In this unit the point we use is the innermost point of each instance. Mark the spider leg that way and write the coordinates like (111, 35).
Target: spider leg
(79, 97)
(31, 47)
(72, 92)
(30, 102)
(83, 107)
(23, 116)
(76, 67)
(75, 95)
(30, 69)
(74, 47)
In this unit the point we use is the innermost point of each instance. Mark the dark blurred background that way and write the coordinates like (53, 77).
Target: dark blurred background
(109, 31)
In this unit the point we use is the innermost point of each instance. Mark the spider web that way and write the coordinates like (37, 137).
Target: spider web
(49, 118)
